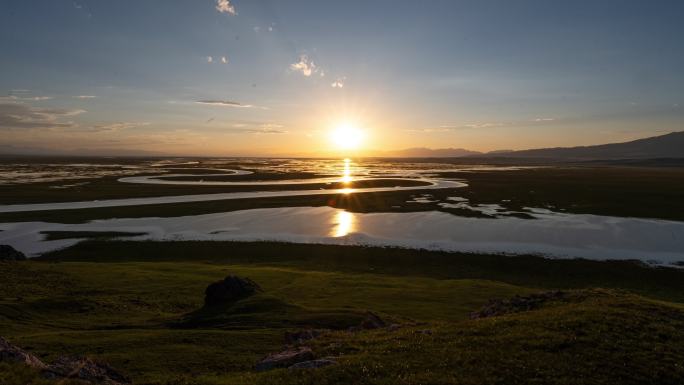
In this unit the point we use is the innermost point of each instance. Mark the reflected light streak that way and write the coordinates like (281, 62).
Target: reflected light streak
(346, 173)
(344, 224)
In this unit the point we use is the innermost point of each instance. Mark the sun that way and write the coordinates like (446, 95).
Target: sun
(347, 136)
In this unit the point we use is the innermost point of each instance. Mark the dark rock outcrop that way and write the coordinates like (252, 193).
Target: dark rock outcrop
(313, 364)
(517, 304)
(85, 369)
(79, 368)
(9, 253)
(285, 359)
(230, 289)
(11, 353)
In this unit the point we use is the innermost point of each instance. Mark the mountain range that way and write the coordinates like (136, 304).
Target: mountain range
(665, 146)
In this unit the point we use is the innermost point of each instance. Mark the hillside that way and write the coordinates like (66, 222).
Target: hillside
(665, 146)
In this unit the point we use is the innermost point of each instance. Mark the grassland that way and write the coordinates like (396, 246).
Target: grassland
(124, 302)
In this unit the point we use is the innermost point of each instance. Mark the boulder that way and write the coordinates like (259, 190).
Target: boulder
(230, 289)
(313, 364)
(85, 369)
(285, 359)
(9, 253)
(11, 353)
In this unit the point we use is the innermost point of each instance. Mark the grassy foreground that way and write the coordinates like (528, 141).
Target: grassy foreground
(123, 302)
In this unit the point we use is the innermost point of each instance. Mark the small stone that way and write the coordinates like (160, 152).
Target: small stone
(372, 321)
(285, 359)
(313, 364)
(393, 327)
(302, 336)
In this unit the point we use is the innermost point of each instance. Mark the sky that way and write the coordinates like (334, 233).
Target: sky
(275, 77)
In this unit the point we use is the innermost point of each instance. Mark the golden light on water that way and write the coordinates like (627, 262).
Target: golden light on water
(344, 223)
(346, 172)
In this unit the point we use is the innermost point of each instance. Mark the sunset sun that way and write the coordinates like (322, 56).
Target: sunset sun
(347, 136)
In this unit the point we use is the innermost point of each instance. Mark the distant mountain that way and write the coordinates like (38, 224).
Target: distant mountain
(420, 152)
(665, 146)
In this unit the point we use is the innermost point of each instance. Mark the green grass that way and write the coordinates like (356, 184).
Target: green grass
(137, 306)
(529, 271)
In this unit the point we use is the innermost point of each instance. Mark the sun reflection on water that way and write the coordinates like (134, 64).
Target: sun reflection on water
(346, 173)
(344, 223)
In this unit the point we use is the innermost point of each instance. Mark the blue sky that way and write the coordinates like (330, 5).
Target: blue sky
(127, 76)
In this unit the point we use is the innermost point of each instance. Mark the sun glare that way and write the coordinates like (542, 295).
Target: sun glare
(347, 136)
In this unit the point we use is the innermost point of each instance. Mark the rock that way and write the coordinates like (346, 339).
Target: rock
(285, 359)
(313, 364)
(85, 369)
(292, 338)
(372, 321)
(230, 289)
(9, 253)
(393, 327)
(11, 353)
(517, 304)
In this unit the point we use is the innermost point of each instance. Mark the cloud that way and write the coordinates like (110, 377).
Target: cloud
(118, 126)
(24, 98)
(210, 59)
(264, 131)
(225, 103)
(266, 128)
(19, 115)
(339, 83)
(84, 97)
(479, 125)
(306, 66)
(224, 6)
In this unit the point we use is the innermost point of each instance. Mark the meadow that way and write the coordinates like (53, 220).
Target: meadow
(135, 305)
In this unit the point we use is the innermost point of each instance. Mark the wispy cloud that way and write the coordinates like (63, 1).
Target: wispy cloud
(225, 103)
(84, 97)
(25, 98)
(484, 125)
(118, 126)
(338, 83)
(266, 128)
(20, 115)
(305, 65)
(224, 6)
